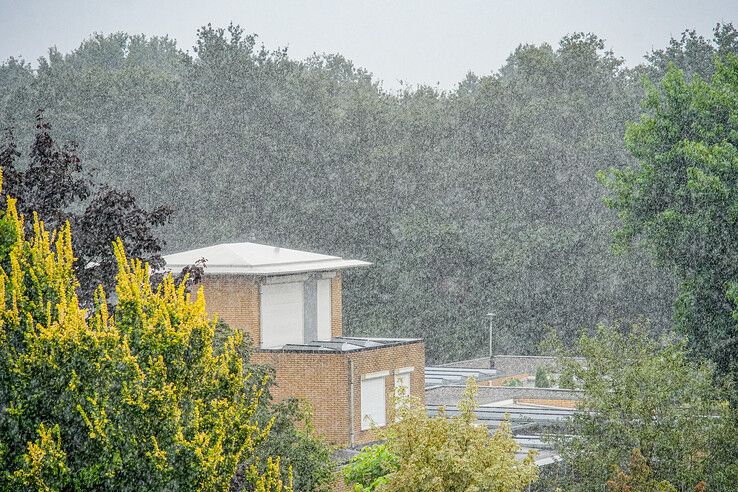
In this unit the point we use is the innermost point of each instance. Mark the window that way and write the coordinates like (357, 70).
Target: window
(373, 403)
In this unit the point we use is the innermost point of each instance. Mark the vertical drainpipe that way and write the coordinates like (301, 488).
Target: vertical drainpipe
(352, 438)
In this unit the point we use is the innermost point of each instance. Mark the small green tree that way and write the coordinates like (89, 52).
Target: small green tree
(542, 379)
(129, 399)
(566, 380)
(641, 394)
(445, 454)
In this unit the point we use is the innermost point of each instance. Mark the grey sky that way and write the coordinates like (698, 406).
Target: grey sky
(418, 41)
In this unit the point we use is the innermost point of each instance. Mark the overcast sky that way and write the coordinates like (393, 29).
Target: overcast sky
(418, 41)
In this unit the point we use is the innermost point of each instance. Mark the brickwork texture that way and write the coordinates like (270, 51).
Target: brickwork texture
(323, 381)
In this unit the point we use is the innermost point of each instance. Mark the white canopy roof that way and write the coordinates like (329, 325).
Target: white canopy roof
(258, 259)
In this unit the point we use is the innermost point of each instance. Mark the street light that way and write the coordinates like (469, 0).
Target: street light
(491, 316)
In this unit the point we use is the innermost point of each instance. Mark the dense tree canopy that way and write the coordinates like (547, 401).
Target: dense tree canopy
(477, 199)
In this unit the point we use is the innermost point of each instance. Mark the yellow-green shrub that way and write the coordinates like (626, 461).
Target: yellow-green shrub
(128, 399)
(442, 454)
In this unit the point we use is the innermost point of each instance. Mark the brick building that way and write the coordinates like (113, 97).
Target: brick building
(290, 303)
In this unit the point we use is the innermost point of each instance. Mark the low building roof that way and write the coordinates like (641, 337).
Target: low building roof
(342, 344)
(258, 259)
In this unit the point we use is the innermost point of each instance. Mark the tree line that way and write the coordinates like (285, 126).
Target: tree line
(483, 198)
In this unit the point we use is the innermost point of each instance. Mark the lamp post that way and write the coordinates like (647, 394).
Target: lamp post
(491, 316)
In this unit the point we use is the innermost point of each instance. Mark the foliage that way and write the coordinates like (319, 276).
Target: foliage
(55, 186)
(542, 379)
(513, 382)
(640, 477)
(692, 53)
(640, 394)
(368, 470)
(681, 200)
(129, 399)
(448, 454)
(304, 455)
(566, 380)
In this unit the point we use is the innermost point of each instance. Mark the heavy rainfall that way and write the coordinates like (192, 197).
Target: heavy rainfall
(567, 206)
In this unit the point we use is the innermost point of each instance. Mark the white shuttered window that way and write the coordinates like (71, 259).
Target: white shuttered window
(373, 404)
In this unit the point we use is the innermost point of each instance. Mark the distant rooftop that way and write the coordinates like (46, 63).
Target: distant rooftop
(258, 259)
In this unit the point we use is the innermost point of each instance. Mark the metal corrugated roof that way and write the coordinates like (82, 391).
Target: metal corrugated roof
(258, 259)
(439, 375)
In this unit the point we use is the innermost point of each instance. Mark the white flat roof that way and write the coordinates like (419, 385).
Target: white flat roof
(257, 259)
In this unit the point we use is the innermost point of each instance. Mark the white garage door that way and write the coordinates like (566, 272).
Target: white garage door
(373, 403)
(281, 314)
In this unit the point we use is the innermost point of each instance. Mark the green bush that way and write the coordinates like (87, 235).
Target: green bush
(645, 395)
(566, 380)
(368, 470)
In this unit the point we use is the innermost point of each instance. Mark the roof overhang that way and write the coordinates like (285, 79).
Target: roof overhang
(266, 270)
(258, 260)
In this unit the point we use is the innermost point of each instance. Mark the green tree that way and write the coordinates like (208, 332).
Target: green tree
(681, 200)
(128, 399)
(693, 53)
(542, 379)
(644, 395)
(443, 454)
(638, 476)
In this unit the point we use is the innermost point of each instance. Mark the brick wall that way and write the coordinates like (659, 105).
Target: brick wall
(235, 299)
(320, 379)
(323, 380)
(551, 403)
